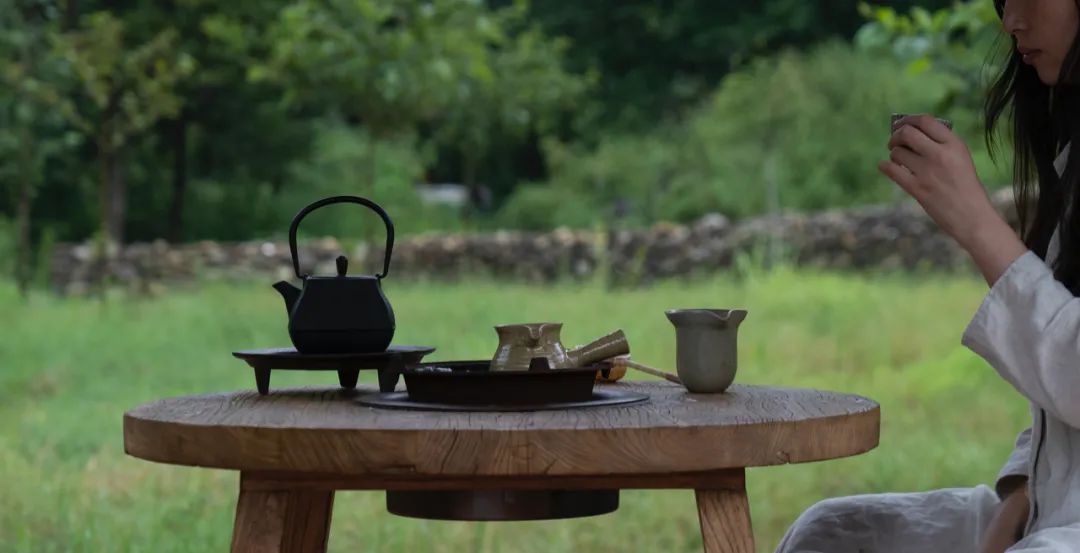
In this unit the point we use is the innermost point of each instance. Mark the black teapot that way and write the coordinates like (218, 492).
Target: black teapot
(339, 314)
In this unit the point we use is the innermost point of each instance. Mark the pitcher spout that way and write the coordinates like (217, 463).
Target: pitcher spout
(289, 293)
(732, 317)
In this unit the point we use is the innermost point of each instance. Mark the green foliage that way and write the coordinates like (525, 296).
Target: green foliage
(7, 246)
(815, 123)
(395, 63)
(655, 60)
(812, 124)
(204, 115)
(129, 87)
(338, 165)
(539, 207)
(522, 89)
(624, 181)
(958, 40)
(960, 46)
(474, 76)
(31, 125)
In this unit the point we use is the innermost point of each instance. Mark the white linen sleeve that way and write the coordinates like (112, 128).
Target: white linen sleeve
(1016, 466)
(1028, 329)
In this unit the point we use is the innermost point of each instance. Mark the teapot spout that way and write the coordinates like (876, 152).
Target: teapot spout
(289, 293)
(612, 345)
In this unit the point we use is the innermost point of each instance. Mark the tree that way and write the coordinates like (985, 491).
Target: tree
(658, 59)
(519, 88)
(958, 46)
(121, 90)
(230, 130)
(953, 41)
(394, 65)
(30, 129)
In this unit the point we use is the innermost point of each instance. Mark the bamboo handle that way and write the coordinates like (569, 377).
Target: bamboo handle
(624, 362)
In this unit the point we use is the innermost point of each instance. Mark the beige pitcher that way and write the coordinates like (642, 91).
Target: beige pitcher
(519, 344)
(706, 352)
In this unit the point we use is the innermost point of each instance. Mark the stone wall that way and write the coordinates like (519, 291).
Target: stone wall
(879, 237)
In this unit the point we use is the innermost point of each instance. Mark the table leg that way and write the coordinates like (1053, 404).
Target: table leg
(725, 520)
(282, 521)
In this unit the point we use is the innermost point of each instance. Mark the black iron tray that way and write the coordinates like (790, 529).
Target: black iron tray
(472, 383)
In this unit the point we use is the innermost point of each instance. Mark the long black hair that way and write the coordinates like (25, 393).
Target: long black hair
(1044, 119)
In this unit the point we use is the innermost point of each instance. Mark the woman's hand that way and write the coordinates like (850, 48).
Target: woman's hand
(1008, 523)
(934, 166)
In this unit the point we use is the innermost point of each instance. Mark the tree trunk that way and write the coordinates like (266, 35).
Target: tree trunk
(468, 177)
(71, 15)
(117, 198)
(112, 196)
(103, 189)
(22, 246)
(772, 202)
(175, 231)
(367, 189)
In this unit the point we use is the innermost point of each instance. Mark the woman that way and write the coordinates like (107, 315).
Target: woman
(1028, 325)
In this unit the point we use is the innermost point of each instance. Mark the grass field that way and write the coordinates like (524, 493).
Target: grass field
(69, 368)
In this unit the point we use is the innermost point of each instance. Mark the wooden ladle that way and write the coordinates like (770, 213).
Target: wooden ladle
(625, 362)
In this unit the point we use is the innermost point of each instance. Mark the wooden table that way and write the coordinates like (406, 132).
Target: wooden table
(295, 448)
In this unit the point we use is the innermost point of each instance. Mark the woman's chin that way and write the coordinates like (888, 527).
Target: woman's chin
(1048, 79)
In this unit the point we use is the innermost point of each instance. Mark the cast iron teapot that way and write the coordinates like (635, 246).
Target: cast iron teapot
(339, 314)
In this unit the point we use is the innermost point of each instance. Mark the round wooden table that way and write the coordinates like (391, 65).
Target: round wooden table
(296, 447)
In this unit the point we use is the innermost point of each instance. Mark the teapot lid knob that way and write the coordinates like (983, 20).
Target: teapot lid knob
(342, 265)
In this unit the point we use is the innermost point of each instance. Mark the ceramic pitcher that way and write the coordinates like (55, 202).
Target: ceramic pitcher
(519, 344)
(706, 353)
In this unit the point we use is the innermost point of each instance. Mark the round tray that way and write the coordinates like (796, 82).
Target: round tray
(389, 363)
(600, 398)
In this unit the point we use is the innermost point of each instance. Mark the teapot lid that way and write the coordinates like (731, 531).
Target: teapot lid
(342, 263)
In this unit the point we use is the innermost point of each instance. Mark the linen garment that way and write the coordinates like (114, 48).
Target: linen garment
(1028, 329)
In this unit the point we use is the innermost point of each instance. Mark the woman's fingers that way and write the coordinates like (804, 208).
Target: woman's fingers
(903, 156)
(931, 127)
(914, 138)
(898, 174)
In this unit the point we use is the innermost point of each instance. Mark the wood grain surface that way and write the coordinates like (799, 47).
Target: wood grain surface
(725, 521)
(326, 431)
(282, 521)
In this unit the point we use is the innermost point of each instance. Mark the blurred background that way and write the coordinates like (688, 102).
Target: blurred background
(534, 156)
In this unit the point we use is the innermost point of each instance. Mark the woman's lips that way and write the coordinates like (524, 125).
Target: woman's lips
(1029, 55)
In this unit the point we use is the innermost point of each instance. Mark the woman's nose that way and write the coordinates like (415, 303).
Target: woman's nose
(1012, 19)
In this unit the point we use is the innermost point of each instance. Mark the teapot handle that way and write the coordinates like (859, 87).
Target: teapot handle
(336, 200)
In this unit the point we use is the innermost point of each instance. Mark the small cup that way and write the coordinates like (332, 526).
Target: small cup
(897, 116)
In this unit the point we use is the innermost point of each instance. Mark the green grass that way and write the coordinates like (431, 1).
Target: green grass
(70, 367)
